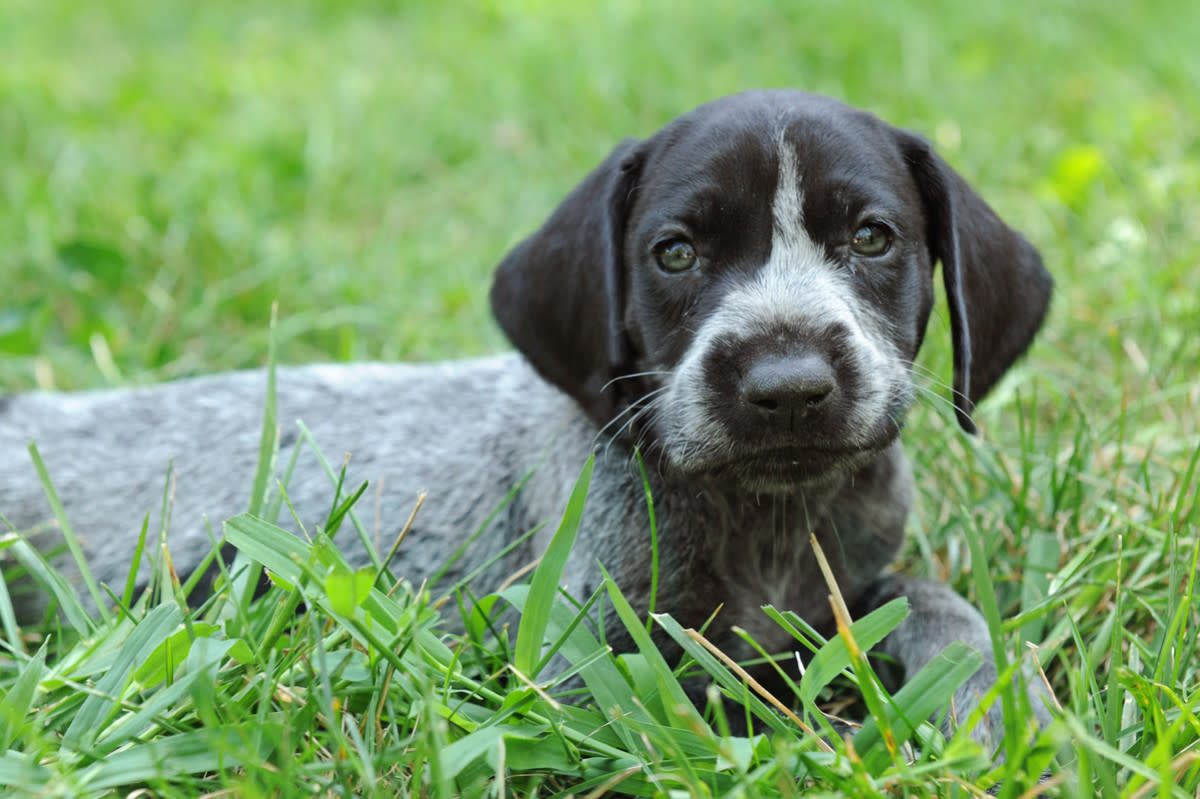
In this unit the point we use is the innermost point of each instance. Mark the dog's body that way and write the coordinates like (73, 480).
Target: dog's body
(740, 296)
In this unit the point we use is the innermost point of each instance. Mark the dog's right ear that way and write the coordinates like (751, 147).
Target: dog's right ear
(559, 295)
(997, 288)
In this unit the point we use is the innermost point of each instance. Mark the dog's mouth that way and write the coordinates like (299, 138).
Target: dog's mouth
(773, 470)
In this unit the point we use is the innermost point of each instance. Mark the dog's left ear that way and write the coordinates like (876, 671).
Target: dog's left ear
(996, 286)
(559, 295)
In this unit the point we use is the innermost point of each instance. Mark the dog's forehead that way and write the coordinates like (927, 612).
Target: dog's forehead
(736, 146)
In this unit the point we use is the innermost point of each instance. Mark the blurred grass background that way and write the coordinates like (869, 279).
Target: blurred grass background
(169, 169)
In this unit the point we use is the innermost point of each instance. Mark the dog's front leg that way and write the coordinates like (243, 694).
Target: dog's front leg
(937, 618)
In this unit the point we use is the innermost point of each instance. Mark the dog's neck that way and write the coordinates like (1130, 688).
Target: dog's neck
(746, 552)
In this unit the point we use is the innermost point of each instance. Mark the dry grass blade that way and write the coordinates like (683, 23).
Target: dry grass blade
(757, 687)
(400, 539)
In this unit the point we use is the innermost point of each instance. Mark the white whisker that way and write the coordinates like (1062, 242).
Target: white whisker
(648, 373)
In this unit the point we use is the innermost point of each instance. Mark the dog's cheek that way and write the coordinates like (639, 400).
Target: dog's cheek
(912, 305)
(900, 295)
(661, 317)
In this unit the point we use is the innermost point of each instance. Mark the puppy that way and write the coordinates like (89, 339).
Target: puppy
(739, 297)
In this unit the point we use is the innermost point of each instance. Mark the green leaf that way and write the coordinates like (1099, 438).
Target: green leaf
(171, 756)
(168, 655)
(275, 548)
(469, 748)
(347, 589)
(16, 703)
(102, 262)
(671, 690)
(543, 588)
(928, 691)
(833, 658)
(149, 633)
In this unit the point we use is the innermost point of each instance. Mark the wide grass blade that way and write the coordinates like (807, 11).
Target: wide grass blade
(196, 751)
(16, 702)
(8, 614)
(833, 657)
(93, 714)
(544, 586)
(922, 695)
(665, 681)
(48, 579)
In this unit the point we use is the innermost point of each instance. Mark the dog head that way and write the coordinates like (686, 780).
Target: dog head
(749, 286)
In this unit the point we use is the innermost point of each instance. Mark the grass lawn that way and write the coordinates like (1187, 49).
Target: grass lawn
(169, 170)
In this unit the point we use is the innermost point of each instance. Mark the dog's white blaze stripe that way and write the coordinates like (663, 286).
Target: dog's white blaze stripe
(787, 206)
(798, 286)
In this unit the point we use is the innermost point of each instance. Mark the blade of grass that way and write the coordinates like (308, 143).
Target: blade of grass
(46, 576)
(1015, 709)
(72, 542)
(664, 676)
(544, 586)
(918, 699)
(146, 636)
(138, 550)
(268, 442)
(192, 752)
(17, 702)
(834, 657)
(8, 614)
(651, 602)
(243, 573)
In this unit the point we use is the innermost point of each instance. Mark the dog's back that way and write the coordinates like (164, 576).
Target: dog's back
(455, 430)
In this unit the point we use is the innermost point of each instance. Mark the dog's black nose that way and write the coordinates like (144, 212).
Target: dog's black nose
(788, 387)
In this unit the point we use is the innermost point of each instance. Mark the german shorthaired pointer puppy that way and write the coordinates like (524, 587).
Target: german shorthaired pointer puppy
(739, 297)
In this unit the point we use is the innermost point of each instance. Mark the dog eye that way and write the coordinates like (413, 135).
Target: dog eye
(675, 255)
(871, 240)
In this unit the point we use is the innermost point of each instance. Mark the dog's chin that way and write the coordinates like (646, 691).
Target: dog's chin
(785, 470)
(774, 468)
(788, 471)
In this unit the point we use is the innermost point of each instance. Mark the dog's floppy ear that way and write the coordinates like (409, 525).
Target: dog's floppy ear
(559, 295)
(996, 286)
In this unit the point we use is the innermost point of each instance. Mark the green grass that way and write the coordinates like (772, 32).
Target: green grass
(170, 170)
